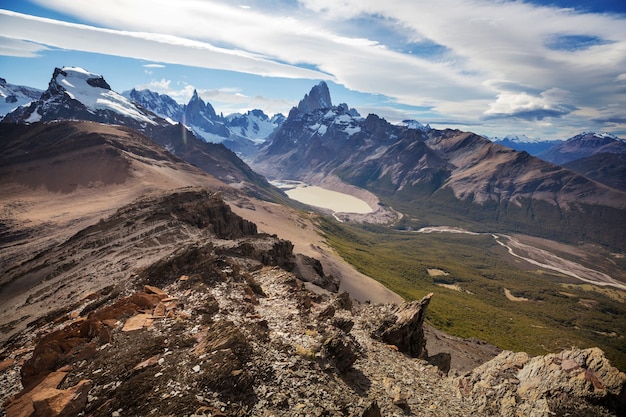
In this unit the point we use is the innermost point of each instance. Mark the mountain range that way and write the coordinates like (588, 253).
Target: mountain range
(463, 175)
(238, 132)
(76, 94)
(533, 146)
(583, 146)
(458, 173)
(13, 96)
(146, 270)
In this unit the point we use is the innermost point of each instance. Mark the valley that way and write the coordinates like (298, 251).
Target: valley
(479, 278)
(103, 206)
(489, 269)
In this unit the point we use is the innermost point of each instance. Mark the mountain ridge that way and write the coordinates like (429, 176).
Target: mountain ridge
(458, 171)
(13, 96)
(77, 94)
(584, 145)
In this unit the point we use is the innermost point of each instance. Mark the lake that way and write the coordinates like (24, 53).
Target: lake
(321, 197)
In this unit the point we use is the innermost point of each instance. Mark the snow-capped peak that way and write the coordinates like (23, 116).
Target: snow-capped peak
(598, 135)
(519, 138)
(254, 125)
(93, 92)
(414, 124)
(13, 96)
(160, 104)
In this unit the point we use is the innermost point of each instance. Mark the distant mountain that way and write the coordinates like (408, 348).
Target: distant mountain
(254, 124)
(238, 132)
(584, 145)
(414, 124)
(13, 96)
(443, 172)
(606, 168)
(533, 146)
(76, 94)
(160, 104)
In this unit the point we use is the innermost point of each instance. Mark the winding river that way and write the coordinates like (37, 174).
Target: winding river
(540, 257)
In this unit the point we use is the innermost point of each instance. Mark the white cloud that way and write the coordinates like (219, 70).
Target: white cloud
(149, 46)
(153, 66)
(19, 48)
(548, 104)
(497, 59)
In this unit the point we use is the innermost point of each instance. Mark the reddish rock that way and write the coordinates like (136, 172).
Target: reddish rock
(137, 322)
(105, 336)
(154, 290)
(52, 402)
(147, 363)
(7, 363)
(83, 352)
(90, 328)
(159, 310)
(22, 405)
(144, 300)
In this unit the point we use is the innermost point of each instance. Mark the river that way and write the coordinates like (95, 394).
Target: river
(540, 257)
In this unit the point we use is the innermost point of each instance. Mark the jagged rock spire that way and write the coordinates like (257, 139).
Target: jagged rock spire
(318, 98)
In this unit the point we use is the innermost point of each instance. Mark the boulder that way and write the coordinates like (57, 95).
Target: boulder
(52, 402)
(310, 270)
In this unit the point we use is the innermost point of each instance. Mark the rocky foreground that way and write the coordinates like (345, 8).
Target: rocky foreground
(224, 326)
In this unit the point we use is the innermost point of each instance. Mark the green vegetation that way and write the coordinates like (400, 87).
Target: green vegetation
(560, 312)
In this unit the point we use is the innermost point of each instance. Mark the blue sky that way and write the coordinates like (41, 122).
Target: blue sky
(548, 69)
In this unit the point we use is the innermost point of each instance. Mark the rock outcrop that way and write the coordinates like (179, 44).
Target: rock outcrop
(318, 98)
(256, 342)
(572, 382)
(45, 399)
(403, 328)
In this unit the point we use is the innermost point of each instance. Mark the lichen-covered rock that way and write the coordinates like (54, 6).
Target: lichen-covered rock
(578, 380)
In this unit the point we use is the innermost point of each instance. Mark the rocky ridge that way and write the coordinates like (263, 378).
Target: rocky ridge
(220, 326)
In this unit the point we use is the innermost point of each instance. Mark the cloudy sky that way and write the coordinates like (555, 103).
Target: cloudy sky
(547, 69)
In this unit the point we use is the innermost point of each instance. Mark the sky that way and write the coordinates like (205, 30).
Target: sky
(545, 69)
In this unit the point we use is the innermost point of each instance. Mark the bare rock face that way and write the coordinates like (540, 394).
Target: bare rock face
(318, 98)
(573, 382)
(341, 351)
(403, 328)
